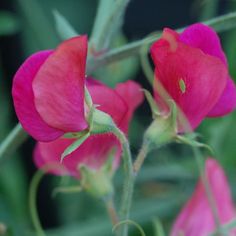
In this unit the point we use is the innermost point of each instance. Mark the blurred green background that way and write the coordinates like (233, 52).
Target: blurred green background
(169, 174)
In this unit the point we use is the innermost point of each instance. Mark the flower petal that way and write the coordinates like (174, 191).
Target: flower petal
(205, 38)
(193, 79)
(59, 86)
(23, 99)
(227, 101)
(92, 153)
(196, 218)
(131, 93)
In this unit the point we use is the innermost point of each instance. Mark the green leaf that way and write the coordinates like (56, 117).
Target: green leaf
(63, 27)
(9, 24)
(121, 70)
(152, 103)
(185, 139)
(74, 145)
(158, 227)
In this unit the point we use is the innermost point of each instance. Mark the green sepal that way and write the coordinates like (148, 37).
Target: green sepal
(74, 145)
(152, 104)
(75, 135)
(163, 129)
(189, 139)
(88, 98)
(101, 122)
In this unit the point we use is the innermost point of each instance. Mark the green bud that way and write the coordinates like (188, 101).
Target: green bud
(163, 129)
(160, 132)
(96, 182)
(101, 122)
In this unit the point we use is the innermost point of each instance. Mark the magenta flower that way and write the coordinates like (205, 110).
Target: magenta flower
(192, 68)
(196, 218)
(120, 104)
(48, 91)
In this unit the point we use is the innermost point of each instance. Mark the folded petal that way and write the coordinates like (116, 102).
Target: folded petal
(92, 153)
(196, 218)
(193, 79)
(227, 101)
(131, 93)
(59, 86)
(23, 99)
(205, 38)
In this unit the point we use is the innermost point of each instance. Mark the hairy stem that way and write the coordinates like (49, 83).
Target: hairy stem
(207, 187)
(111, 211)
(128, 179)
(140, 158)
(32, 202)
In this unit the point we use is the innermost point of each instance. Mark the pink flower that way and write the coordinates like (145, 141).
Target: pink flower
(192, 68)
(120, 104)
(196, 217)
(48, 94)
(48, 91)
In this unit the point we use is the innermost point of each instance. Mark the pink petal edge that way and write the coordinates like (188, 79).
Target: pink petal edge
(205, 38)
(196, 219)
(23, 99)
(227, 101)
(59, 86)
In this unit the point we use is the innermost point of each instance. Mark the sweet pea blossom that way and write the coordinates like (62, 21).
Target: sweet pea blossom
(49, 99)
(120, 104)
(196, 218)
(192, 69)
(48, 91)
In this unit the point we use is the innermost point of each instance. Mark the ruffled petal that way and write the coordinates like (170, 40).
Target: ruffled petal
(59, 86)
(131, 93)
(227, 101)
(23, 99)
(196, 217)
(205, 38)
(193, 79)
(92, 153)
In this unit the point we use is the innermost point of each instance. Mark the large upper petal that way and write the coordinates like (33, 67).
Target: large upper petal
(196, 218)
(59, 86)
(23, 99)
(204, 77)
(205, 38)
(92, 153)
(131, 93)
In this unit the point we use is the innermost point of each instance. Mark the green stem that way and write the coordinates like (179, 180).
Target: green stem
(108, 21)
(220, 24)
(14, 139)
(140, 158)
(128, 180)
(208, 190)
(32, 202)
(111, 211)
